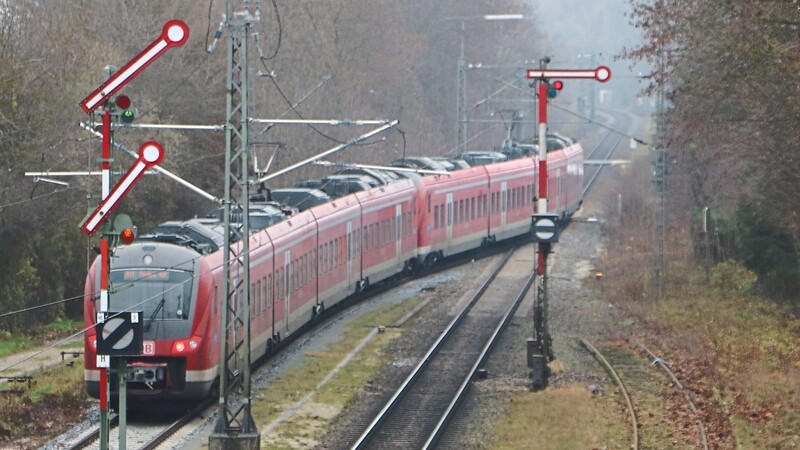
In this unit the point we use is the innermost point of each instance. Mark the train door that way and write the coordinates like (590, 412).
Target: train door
(398, 227)
(287, 277)
(449, 220)
(350, 248)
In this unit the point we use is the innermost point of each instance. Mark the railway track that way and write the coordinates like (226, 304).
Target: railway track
(143, 433)
(613, 372)
(151, 434)
(629, 374)
(606, 148)
(419, 411)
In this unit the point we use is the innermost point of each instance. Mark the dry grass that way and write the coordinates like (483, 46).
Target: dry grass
(47, 407)
(309, 423)
(561, 418)
(747, 347)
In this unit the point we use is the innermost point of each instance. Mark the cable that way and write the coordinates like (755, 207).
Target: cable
(35, 198)
(208, 27)
(594, 122)
(280, 31)
(181, 84)
(32, 308)
(299, 115)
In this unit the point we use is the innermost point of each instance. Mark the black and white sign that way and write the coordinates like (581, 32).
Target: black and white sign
(121, 335)
(545, 228)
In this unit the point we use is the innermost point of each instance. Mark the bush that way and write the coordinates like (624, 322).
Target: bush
(732, 276)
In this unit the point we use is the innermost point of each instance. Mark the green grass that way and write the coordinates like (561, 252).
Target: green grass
(312, 421)
(10, 344)
(16, 342)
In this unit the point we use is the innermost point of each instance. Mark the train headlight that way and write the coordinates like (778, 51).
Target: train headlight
(186, 345)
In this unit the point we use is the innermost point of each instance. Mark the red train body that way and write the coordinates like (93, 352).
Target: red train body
(306, 263)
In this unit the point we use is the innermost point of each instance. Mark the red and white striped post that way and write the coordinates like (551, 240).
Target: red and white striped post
(601, 74)
(174, 33)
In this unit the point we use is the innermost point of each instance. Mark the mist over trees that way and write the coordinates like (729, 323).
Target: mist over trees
(361, 58)
(730, 71)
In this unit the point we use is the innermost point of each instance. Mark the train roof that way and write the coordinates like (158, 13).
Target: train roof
(202, 235)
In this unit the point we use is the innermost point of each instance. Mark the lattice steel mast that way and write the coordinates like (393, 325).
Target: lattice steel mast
(235, 427)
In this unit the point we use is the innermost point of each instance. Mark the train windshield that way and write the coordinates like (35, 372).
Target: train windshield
(161, 294)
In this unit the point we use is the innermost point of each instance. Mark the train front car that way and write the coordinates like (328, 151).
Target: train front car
(173, 286)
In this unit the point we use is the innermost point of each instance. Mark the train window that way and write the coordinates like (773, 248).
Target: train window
(292, 277)
(364, 234)
(472, 208)
(258, 298)
(441, 215)
(460, 211)
(493, 210)
(279, 284)
(436, 217)
(169, 291)
(264, 296)
(485, 210)
(303, 270)
(216, 298)
(449, 214)
(252, 300)
(269, 291)
(429, 203)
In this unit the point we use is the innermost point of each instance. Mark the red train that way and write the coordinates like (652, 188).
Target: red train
(312, 260)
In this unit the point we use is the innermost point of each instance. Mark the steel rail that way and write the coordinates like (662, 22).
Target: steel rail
(662, 363)
(600, 168)
(404, 387)
(624, 391)
(447, 416)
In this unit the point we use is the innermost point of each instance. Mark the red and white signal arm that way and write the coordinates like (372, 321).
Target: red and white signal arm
(601, 74)
(174, 34)
(150, 154)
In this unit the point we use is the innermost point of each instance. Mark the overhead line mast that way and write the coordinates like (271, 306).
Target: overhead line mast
(235, 427)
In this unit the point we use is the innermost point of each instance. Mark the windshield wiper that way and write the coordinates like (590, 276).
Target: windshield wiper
(155, 312)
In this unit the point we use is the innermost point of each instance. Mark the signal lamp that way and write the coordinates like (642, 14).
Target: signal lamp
(123, 102)
(127, 116)
(554, 88)
(127, 236)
